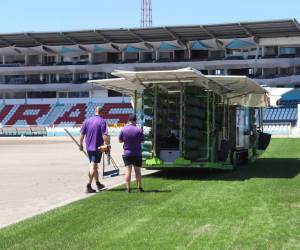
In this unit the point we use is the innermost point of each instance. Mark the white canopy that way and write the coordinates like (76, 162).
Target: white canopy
(13, 50)
(240, 90)
(165, 46)
(67, 50)
(99, 48)
(208, 44)
(133, 47)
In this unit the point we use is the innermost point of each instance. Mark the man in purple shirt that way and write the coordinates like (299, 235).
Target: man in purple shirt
(132, 137)
(94, 131)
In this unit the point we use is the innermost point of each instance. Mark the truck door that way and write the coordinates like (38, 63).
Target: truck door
(242, 127)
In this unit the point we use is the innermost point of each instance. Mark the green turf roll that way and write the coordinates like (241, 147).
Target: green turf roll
(148, 111)
(146, 154)
(149, 102)
(148, 123)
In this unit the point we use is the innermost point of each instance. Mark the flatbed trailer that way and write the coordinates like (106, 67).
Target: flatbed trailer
(195, 120)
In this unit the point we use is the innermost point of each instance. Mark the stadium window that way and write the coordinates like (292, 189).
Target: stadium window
(199, 54)
(146, 57)
(84, 57)
(99, 75)
(271, 50)
(41, 95)
(219, 72)
(179, 55)
(112, 93)
(66, 77)
(33, 79)
(132, 57)
(63, 94)
(83, 75)
(287, 50)
(204, 71)
(78, 94)
(113, 57)
(239, 72)
(49, 60)
(166, 56)
(287, 71)
(15, 95)
(217, 54)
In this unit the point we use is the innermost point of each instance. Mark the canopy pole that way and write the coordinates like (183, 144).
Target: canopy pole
(142, 112)
(224, 118)
(181, 121)
(155, 120)
(228, 118)
(135, 101)
(208, 125)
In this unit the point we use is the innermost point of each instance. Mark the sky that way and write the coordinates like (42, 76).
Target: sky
(65, 15)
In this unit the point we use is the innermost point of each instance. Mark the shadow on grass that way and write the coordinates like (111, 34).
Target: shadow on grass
(262, 168)
(133, 190)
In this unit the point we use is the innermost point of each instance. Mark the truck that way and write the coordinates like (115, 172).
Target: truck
(192, 120)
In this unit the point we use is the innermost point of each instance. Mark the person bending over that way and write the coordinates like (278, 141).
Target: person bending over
(94, 131)
(132, 137)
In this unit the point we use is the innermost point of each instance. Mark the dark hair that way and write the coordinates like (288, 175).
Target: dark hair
(132, 118)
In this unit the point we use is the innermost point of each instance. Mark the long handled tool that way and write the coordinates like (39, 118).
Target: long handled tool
(110, 173)
(76, 142)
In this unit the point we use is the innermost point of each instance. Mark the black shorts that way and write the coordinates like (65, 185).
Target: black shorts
(133, 160)
(94, 156)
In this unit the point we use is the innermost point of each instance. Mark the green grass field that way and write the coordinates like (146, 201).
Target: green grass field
(254, 207)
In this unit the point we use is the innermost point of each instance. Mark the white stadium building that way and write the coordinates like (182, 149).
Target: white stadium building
(44, 76)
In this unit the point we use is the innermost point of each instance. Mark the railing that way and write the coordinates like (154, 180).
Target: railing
(54, 130)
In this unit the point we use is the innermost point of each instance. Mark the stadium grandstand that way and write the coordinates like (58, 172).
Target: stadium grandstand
(44, 76)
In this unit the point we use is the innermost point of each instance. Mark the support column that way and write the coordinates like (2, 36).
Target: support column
(57, 77)
(90, 75)
(157, 55)
(90, 58)
(189, 51)
(123, 56)
(263, 51)
(41, 77)
(3, 59)
(26, 59)
(140, 56)
(209, 54)
(298, 120)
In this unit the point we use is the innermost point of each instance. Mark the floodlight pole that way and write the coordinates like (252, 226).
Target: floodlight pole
(146, 13)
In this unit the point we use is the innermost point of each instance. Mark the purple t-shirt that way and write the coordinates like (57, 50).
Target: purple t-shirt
(132, 136)
(94, 128)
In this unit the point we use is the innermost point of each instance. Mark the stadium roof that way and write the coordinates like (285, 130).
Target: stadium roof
(259, 29)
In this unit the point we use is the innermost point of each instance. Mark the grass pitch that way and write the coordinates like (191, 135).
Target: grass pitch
(254, 207)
